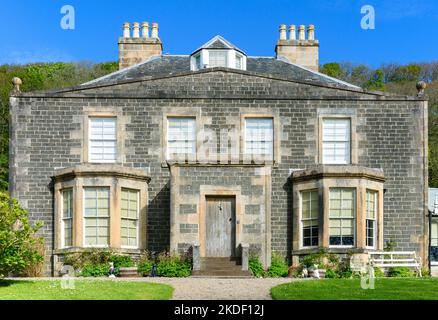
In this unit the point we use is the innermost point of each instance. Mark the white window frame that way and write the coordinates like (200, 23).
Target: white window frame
(90, 120)
(63, 245)
(168, 155)
(325, 141)
(432, 237)
(302, 246)
(342, 218)
(239, 56)
(84, 218)
(138, 220)
(198, 66)
(224, 52)
(264, 155)
(375, 195)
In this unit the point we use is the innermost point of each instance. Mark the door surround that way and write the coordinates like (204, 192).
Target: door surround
(219, 191)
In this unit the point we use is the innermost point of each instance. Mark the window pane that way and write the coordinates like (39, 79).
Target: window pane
(218, 58)
(103, 139)
(336, 141)
(96, 216)
(238, 62)
(129, 223)
(181, 136)
(342, 216)
(371, 204)
(310, 219)
(259, 136)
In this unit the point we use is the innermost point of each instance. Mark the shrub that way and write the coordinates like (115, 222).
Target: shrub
(344, 270)
(330, 273)
(256, 267)
(95, 262)
(145, 268)
(173, 266)
(322, 259)
(91, 270)
(279, 267)
(36, 269)
(378, 273)
(400, 272)
(19, 246)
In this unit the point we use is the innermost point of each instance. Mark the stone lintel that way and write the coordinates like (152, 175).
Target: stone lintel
(338, 171)
(100, 170)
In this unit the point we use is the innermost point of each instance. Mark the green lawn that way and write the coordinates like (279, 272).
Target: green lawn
(350, 289)
(84, 290)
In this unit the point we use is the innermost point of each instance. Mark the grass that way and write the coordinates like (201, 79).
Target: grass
(350, 289)
(84, 290)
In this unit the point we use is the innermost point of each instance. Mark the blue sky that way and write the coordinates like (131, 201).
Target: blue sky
(406, 31)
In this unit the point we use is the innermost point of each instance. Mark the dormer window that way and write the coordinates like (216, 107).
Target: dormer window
(198, 62)
(238, 61)
(218, 52)
(218, 58)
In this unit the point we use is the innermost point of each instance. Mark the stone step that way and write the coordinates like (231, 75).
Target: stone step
(220, 268)
(222, 273)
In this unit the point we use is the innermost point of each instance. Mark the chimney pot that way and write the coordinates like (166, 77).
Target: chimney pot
(154, 30)
(292, 32)
(136, 30)
(311, 32)
(301, 32)
(283, 32)
(145, 30)
(126, 30)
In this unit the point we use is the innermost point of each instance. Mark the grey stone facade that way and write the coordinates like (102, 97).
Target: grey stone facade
(391, 134)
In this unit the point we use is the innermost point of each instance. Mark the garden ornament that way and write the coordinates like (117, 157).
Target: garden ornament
(154, 271)
(111, 270)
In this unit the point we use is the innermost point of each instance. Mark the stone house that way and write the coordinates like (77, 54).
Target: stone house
(221, 150)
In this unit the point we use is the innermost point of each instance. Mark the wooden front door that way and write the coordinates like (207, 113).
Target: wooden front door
(220, 229)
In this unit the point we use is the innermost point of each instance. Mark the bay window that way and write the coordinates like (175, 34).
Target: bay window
(67, 218)
(96, 216)
(310, 218)
(129, 215)
(371, 214)
(342, 215)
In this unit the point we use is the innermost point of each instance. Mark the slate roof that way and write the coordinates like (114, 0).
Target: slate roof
(173, 64)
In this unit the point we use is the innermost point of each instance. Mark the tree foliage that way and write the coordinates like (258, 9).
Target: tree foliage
(18, 241)
(37, 77)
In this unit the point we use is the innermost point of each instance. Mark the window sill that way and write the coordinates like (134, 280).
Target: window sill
(339, 250)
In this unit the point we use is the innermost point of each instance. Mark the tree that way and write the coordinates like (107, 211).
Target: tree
(333, 69)
(377, 82)
(18, 240)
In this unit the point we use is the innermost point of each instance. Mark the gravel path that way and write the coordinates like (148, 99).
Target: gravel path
(206, 288)
(220, 289)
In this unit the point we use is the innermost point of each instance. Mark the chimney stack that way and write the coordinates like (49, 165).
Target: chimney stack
(134, 50)
(303, 52)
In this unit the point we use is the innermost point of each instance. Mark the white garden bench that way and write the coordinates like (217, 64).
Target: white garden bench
(388, 259)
